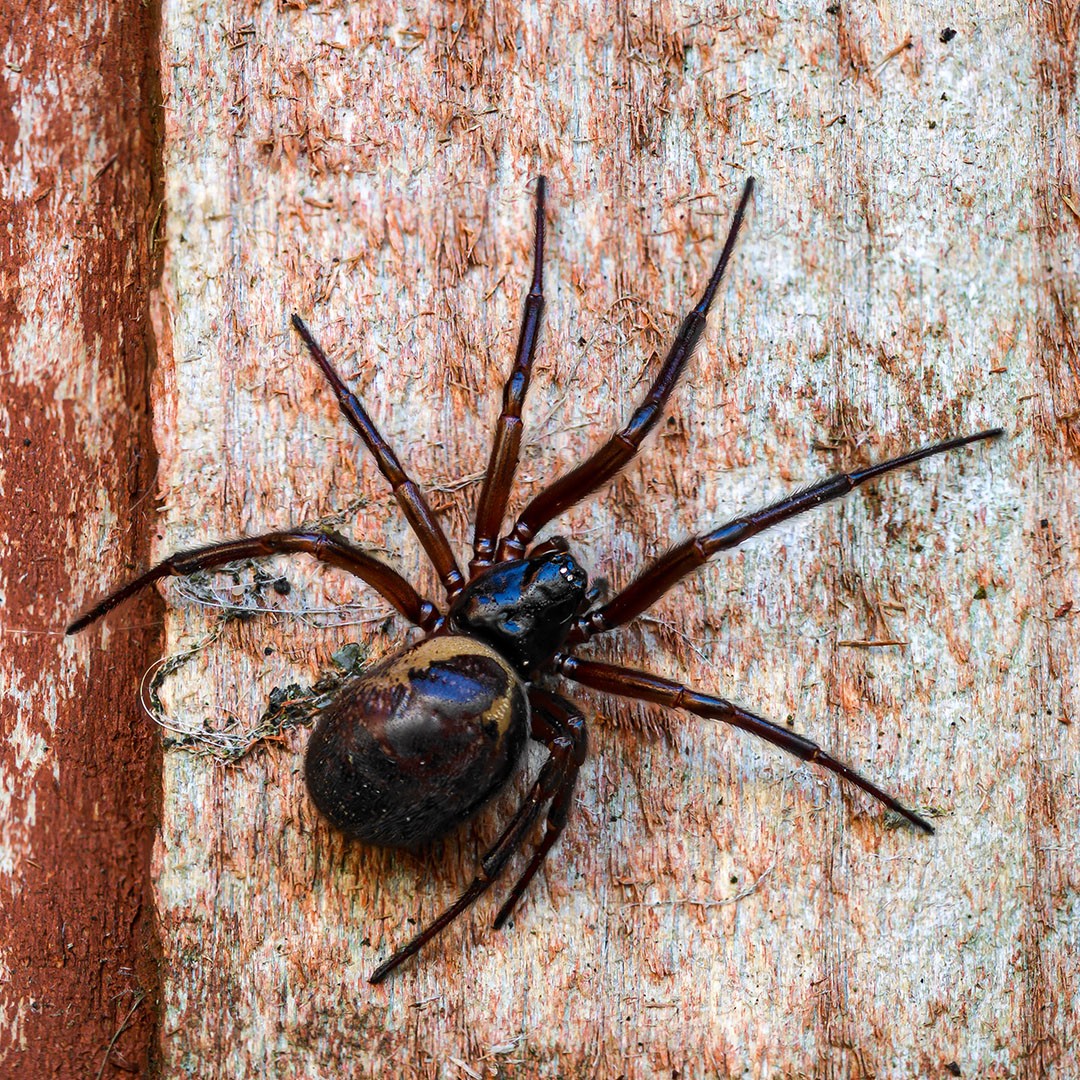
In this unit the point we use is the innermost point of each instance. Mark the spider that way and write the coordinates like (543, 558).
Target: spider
(415, 746)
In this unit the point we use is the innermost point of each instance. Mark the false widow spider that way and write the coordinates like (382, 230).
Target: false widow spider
(413, 747)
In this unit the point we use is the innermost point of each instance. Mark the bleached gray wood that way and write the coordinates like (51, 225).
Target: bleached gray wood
(908, 272)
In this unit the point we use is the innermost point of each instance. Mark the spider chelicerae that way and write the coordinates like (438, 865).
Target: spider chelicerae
(414, 746)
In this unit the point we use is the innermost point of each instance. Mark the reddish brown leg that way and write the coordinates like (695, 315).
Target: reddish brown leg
(504, 452)
(625, 682)
(413, 504)
(562, 729)
(564, 721)
(649, 586)
(621, 447)
(328, 547)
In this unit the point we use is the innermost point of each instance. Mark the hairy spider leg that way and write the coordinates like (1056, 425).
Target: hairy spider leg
(572, 487)
(506, 447)
(643, 686)
(327, 547)
(686, 557)
(412, 502)
(561, 728)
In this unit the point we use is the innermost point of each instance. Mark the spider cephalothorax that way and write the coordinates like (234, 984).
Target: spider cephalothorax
(525, 608)
(417, 744)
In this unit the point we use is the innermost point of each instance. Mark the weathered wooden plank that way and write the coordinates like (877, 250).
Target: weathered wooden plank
(713, 909)
(79, 763)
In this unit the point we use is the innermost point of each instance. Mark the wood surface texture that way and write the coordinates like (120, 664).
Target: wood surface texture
(908, 272)
(79, 764)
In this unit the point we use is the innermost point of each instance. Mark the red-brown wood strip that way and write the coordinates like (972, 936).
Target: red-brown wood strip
(79, 768)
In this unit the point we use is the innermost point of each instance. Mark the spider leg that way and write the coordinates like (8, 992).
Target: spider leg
(686, 557)
(328, 547)
(504, 451)
(562, 729)
(564, 722)
(625, 682)
(413, 504)
(573, 486)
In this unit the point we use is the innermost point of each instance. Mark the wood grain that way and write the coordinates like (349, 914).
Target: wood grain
(79, 764)
(909, 272)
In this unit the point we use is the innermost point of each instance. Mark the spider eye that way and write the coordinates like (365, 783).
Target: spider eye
(557, 574)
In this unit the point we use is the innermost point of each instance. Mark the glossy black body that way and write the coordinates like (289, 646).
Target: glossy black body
(525, 608)
(423, 740)
(419, 743)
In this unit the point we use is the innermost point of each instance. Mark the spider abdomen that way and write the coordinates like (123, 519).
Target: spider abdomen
(418, 744)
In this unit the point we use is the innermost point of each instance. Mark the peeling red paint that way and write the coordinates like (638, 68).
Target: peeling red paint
(1057, 24)
(1056, 32)
(79, 760)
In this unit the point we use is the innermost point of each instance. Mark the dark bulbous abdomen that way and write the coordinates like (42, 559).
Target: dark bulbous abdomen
(419, 743)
